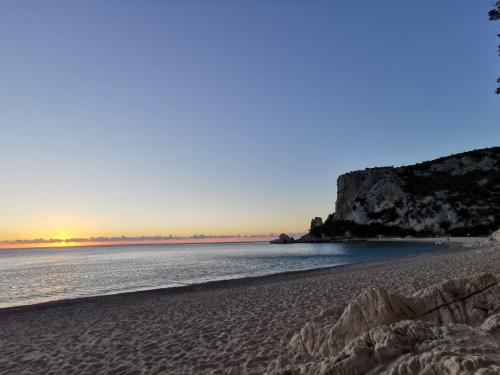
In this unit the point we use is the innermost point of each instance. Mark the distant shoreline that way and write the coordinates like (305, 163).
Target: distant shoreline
(442, 239)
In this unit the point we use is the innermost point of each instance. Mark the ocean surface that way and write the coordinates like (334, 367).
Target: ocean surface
(29, 276)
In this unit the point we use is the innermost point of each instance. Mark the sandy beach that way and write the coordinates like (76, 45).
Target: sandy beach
(229, 327)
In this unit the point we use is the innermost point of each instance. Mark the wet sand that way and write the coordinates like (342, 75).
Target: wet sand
(225, 327)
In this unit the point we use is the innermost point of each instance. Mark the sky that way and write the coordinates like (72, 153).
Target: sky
(227, 117)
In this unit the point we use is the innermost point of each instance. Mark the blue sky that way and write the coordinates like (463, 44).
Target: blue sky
(224, 117)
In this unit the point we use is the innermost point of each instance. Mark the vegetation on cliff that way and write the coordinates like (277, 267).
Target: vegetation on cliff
(456, 195)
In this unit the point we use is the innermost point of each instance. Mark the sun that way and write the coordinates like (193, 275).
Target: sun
(63, 236)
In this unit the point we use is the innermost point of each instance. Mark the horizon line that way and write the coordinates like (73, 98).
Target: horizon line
(135, 239)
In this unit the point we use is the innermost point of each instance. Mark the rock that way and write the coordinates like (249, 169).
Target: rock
(316, 222)
(492, 324)
(311, 339)
(333, 312)
(283, 238)
(325, 238)
(411, 348)
(312, 238)
(448, 328)
(463, 300)
(496, 235)
(373, 307)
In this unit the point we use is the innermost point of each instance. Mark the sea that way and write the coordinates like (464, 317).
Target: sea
(35, 275)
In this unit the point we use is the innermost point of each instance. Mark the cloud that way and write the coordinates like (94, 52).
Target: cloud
(138, 238)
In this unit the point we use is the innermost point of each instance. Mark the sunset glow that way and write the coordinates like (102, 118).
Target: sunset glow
(63, 235)
(147, 242)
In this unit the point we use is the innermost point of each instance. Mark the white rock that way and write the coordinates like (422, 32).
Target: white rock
(449, 328)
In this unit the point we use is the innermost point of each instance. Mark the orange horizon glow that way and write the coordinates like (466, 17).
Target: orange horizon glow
(122, 243)
(68, 237)
(64, 226)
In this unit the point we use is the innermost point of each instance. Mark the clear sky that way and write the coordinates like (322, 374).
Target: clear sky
(226, 117)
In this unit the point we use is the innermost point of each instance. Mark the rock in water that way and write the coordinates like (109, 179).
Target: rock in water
(449, 328)
(283, 238)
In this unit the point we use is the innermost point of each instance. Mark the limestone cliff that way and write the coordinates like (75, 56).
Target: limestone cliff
(457, 195)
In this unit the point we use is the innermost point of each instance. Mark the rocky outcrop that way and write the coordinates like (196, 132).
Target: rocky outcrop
(448, 328)
(316, 222)
(496, 235)
(283, 238)
(413, 348)
(457, 195)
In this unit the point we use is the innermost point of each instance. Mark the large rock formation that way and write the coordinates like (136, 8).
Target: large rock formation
(457, 195)
(448, 328)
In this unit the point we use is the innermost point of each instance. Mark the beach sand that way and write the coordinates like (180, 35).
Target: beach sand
(229, 327)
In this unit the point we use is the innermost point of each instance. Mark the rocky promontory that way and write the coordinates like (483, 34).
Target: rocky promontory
(457, 195)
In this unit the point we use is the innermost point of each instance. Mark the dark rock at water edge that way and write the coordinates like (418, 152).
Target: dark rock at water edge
(283, 238)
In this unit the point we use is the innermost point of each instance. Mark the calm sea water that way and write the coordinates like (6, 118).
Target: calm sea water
(30, 276)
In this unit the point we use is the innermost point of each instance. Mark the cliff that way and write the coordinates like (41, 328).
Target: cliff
(455, 195)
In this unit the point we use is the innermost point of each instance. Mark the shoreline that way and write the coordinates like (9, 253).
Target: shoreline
(452, 246)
